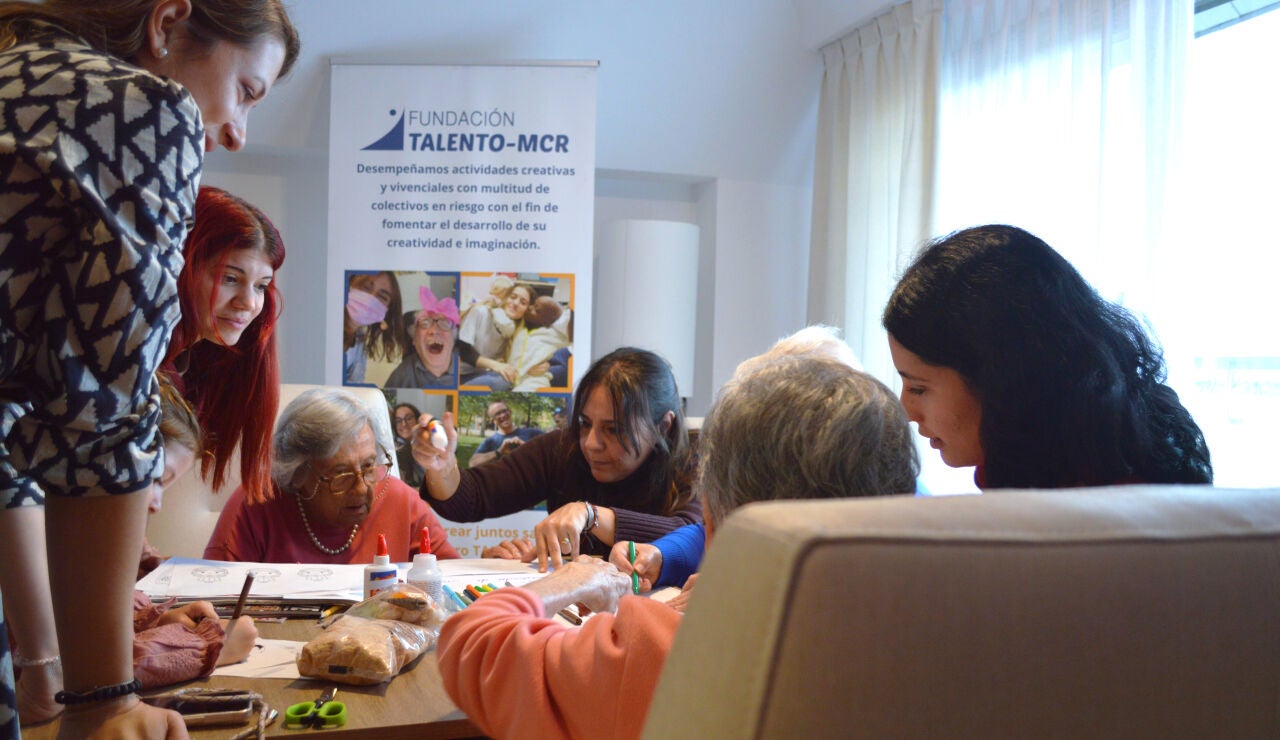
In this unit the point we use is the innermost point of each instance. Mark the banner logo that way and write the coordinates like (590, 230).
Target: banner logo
(393, 140)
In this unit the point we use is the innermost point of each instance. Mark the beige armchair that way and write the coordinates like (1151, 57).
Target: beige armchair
(1130, 612)
(191, 506)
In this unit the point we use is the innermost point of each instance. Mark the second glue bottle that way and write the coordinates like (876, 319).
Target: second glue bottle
(381, 574)
(425, 573)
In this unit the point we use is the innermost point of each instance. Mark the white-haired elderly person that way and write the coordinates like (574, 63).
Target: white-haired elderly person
(332, 493)
(516, 672)
(673, 559)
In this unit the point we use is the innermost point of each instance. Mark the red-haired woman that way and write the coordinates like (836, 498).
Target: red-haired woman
(223, 352)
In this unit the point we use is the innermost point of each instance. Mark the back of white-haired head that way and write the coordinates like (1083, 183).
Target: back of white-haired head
(822, 340)
(802, 425)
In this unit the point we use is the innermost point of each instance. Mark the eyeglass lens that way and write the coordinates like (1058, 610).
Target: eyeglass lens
(439, 323)
(373, 475)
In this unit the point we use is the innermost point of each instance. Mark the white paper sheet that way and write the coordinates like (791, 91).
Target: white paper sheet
(211, 579)
(268, 659)
(458, 574)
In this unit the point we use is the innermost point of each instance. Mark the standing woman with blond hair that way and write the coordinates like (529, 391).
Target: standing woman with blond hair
(108, 109)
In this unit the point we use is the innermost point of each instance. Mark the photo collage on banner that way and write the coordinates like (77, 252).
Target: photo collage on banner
(460, 252)
(489, 337)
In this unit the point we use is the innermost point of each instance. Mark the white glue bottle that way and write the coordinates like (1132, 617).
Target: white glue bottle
(425, 573)
(381, 574)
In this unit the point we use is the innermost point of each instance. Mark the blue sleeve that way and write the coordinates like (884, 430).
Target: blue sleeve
(560, 368)
(681, 554)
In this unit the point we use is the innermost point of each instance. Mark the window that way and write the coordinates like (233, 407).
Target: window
(1223, 340)
(1215, 15)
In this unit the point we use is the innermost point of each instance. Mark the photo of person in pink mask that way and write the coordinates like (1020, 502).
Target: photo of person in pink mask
(372, 324)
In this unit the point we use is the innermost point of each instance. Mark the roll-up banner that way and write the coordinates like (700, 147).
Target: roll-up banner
(460, 250)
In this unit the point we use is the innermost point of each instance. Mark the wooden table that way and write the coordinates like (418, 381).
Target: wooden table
(412, 705)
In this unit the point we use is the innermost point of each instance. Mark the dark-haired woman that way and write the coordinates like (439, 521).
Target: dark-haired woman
(1012, 363)
(108, 110)
(619, 471)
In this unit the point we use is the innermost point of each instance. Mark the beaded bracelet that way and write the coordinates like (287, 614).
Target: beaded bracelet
(101, 693)
(22, 662)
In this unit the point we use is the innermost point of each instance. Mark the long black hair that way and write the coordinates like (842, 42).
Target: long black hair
(643, 390)
(1072, 389)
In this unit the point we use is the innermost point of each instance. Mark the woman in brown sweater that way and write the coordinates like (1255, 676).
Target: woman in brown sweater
(620, 470)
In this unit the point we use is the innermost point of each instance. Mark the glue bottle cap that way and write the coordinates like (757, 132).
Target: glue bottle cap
(424, 546)
(382, 557)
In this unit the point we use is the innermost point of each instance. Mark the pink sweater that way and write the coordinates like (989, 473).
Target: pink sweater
(518, 674)
(171, 653)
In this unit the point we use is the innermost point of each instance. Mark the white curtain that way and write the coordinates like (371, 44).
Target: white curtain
(1064, 117)
(874, 171)
(1059, 116)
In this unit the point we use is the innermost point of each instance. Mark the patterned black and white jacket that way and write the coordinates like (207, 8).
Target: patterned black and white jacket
(99, 166)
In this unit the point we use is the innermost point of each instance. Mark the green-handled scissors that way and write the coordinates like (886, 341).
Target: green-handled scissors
(323, 712)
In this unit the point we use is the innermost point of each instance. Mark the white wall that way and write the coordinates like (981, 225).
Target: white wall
(706, 113)
(761, 271)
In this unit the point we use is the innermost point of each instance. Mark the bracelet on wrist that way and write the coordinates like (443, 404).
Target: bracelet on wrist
(592, 517)
(22, 662)
(101, 693)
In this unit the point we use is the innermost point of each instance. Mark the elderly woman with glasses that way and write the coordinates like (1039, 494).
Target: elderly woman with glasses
(333, 494)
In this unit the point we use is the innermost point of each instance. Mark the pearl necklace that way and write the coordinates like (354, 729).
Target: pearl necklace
(315, 541)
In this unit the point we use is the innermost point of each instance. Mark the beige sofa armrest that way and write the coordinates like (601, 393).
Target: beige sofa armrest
(1143, 611)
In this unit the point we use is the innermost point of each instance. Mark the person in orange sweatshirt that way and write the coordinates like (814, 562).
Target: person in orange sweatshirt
(517, 672)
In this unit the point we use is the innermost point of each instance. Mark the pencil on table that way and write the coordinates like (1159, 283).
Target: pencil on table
(244, 594)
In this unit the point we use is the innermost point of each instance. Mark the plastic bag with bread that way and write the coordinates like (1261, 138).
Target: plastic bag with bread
(403, 603)
(375, 639)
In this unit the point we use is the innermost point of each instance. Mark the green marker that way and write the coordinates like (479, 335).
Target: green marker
(635, 577)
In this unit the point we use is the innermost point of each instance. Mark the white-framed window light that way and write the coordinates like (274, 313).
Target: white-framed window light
(1222, 334)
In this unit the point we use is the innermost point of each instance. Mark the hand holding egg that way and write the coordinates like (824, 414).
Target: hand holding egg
(433, 442)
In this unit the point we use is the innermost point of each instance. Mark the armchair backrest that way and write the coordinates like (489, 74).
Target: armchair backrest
(191, 506)
(1138, 611)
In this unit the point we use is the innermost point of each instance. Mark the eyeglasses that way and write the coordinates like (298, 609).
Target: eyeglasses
(406, 420)
(503, 414)
(341, 483)
(442, 324)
